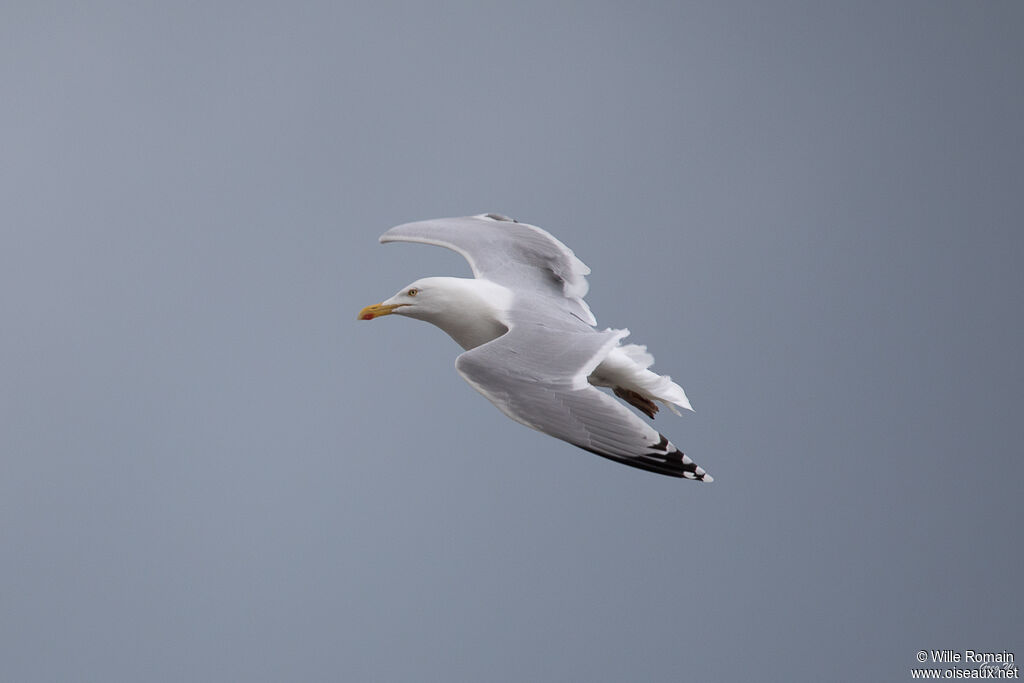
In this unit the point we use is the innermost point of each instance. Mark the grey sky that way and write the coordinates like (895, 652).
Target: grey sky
(210, 471)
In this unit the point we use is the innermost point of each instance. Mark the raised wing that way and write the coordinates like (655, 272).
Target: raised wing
(513, 254)
(549, 392)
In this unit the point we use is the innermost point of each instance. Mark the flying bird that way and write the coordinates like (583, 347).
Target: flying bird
(531, 347)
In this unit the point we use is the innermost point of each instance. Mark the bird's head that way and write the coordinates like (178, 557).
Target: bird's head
(422, 299)
(470, 311)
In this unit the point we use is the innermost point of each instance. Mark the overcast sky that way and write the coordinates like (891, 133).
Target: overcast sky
(210, 471)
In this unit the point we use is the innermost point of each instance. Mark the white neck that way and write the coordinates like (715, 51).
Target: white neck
(472, 311)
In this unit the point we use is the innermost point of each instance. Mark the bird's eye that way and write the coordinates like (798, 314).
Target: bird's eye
(413, 292)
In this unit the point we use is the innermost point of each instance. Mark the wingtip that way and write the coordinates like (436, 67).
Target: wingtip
(692, 470)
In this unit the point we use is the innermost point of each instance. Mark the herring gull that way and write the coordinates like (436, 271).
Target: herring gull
(531, 347)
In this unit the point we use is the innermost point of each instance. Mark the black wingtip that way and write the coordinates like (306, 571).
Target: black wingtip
(681, 463)
(671, 463)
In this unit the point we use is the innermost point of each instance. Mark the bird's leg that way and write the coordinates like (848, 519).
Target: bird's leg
(645, 405)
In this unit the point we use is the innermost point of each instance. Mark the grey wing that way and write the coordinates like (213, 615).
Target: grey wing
(538, 378)
(513, 254)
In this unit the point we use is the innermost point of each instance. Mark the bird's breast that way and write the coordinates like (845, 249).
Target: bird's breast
(471, 333)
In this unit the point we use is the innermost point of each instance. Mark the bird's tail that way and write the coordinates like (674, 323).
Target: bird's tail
(625, 370)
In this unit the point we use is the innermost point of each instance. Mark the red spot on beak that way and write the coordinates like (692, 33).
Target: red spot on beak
(368, 316)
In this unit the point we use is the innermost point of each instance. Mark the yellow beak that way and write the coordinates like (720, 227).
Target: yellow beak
(377, 310)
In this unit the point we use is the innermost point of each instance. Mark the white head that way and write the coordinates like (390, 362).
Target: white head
(424, 299)
(471, 311)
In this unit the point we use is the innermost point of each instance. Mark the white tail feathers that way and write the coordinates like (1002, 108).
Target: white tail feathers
(638, 354)
(625, 368)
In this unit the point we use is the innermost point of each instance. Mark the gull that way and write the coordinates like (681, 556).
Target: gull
(531, 347)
